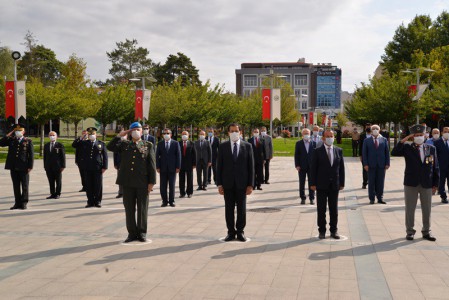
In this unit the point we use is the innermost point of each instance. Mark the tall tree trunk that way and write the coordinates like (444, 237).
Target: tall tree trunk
(41, 148)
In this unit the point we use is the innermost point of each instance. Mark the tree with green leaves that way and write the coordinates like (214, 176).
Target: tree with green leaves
(177, 66)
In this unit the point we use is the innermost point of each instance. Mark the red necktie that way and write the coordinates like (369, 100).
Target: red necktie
(184, 149)
(375, 143)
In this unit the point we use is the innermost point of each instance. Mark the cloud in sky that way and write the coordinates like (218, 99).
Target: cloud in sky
(218, 35)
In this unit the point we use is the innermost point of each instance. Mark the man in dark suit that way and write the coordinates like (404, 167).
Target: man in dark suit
(421, 177)
(214, 143)
(267, 144)
(258, 154)
(147, 137)
(363, 136)
(19, 161)
(117, 162)
(376, 161)
(203, 153)
(79, 161)
(235, 180)
(54, 164)
(137, 175)
(442, 147)
(95, 163)
(188, 161)
(303, 154)
(327, 177)
(168, 164)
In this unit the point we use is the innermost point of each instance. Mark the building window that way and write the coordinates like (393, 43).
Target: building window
(286, 78)
(301, 93)
(300, 79)
(249, 80)
(248, 92)
(304, 105)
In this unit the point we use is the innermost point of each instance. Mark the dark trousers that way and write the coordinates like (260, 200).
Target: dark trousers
(168, 178)
(376, 180)
(444, 175)
(132, 198)
(355, 147)
(267, 170)
(212, 169)
(302, 182)
(83, 177)
(94, 186)
(258, 172)
(326, 198)
(20, 182)
(233, 197)
(55, 181)
(364, 176)
(183, 175)
(201, 174)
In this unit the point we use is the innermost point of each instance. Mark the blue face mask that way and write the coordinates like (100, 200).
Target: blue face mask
(210, 134)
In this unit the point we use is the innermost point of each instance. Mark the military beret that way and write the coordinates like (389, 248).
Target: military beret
(418, 128)
(135, 125)
(18, 127)
(91, 130)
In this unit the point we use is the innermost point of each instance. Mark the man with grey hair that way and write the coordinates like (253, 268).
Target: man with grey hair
(304, 150)
(435, 137)
(54, 164)
(203, 152)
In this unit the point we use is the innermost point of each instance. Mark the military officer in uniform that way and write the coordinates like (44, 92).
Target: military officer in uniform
(421, 177)
(79, 161)
(137, 175)
(54, 164)
(95, 160)
(19, 161)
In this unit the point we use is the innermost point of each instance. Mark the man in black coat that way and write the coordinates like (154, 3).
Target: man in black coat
(442, 148)
(421, 176)
(54, 164)
(363, 136)
(19, 161)
(303, 154)
(267, 143)
(214, 143)
(79, 160)
(235, 180)
(95, 163)
(259, 158)
(147, 137)
(327, 177)
(188, 161)
(203, 153)
(168, 164)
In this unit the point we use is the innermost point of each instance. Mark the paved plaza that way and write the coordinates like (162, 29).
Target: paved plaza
(57, 249)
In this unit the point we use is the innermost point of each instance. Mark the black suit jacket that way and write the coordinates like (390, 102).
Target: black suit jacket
(259, 152)
(20, 154)
(92, 157)
(203, 153)
(235, 175)
(214, 146)
(302, 157)
(322, 174)
(443, 154)
(189, 159)
(417, 172)
(54, 160)
(168, 161)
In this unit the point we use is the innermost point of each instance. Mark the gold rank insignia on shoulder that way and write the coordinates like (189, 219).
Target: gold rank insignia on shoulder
(99, 146)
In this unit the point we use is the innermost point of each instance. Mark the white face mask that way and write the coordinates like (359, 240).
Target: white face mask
(263, 133)
(256, 135)
(375, 132)
(185, 137)
(315, 133)
(234, 136)
(210, 134)
(92, 137)
(166, 137)
(146, 131)
(52, 138)
(306, 137)
(201, 137)
(418, 140)
(329, 141)
(136, 134)
(436, 136)
(18, 134)
(446, 135)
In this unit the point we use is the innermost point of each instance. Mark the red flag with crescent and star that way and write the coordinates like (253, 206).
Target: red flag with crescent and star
(311, 118)
(139, 105)
(9, 100)
(266, 98)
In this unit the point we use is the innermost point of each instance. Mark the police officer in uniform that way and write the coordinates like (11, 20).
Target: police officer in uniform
(421, 177)
(137, 175)
(95, 160)
(19, 161)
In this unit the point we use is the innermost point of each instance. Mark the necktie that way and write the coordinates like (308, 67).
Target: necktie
(376, 144)
(421, 153)
(329, 155)
(184, 149)
(201, 144)
(257, 142)
(51, 146)
(447, 145)
(166, 146)
(234, 152)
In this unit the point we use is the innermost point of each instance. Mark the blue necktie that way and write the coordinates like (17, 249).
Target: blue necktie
(166, 146)
(234, 152)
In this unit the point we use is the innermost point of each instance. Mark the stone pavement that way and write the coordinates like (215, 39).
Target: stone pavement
(57, 249)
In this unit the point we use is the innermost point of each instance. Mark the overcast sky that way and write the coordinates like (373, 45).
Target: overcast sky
(218, 35)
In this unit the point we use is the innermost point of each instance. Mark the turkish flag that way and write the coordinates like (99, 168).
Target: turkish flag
(311, 118)
(9, 100)
(266, 98)
(139, 105)
(412, 90)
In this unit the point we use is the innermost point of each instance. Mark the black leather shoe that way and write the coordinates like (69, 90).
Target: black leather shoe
(164, 204)
(364, 186)
(204, 189)
(371, 202)
(142, 239)
(335, 235)
(229, 237)
(24, 206)
(50, 197)
(259, 188)
(82, 190)
(444, 200)
(241, 237)
(189, 196)
(311, 202)
(172, 204)
(88, 205)
(199, 188)
(129, 239)
(182, 196)
(381, 202)
(57, 197)
(409, 237)
(98, 205)
(303, 201)
(429, 237)
(119, 196)
(14, 207)
(322, 236)
(266, 182)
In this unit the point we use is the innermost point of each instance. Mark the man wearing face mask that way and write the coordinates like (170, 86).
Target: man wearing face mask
(79, 160)
(421, 177)
(327, 178)
(203, 153)
(214, 143)
(235, 180)
(19, 161)
(363, 137)
(188, 161)
(267, 144)
(137, 176)
(435, 137)
(304, 150)
(376, 161)
(258, 154)
(54, 164)
(316, 138)
(95, 160)
(146, 135)
(168, 164)
(442, 148)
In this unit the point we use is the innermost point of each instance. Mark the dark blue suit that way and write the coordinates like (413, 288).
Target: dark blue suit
(303, 160)
(443, 160)
(376, 159)
(168, 162)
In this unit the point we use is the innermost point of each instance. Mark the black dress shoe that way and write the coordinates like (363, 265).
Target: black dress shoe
(199, 188)
(266, 182)
(303, 201)
(429, 237)
(189, 196)
(335, 235)
(98, 205)
(14, 207)
(130, 239)
(364, 186)
(88, 205)
(164, 204)
(241, 237)
(409, 237)
(50, 197)
(311, 202)
(322, 236)
(371, 202)
(119, 196)
(24, 206)
(444, 200)
(182, 196)
(172, 204)
(259, 188)
(57, 197)
(82, 190)
(142, 239)
(204, 189)
(381, 202)
(229, 237)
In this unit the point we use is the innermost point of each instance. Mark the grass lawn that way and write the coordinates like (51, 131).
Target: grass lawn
(286, 147)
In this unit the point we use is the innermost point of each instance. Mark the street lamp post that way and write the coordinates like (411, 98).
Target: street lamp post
(135, 79)
(272, 76)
